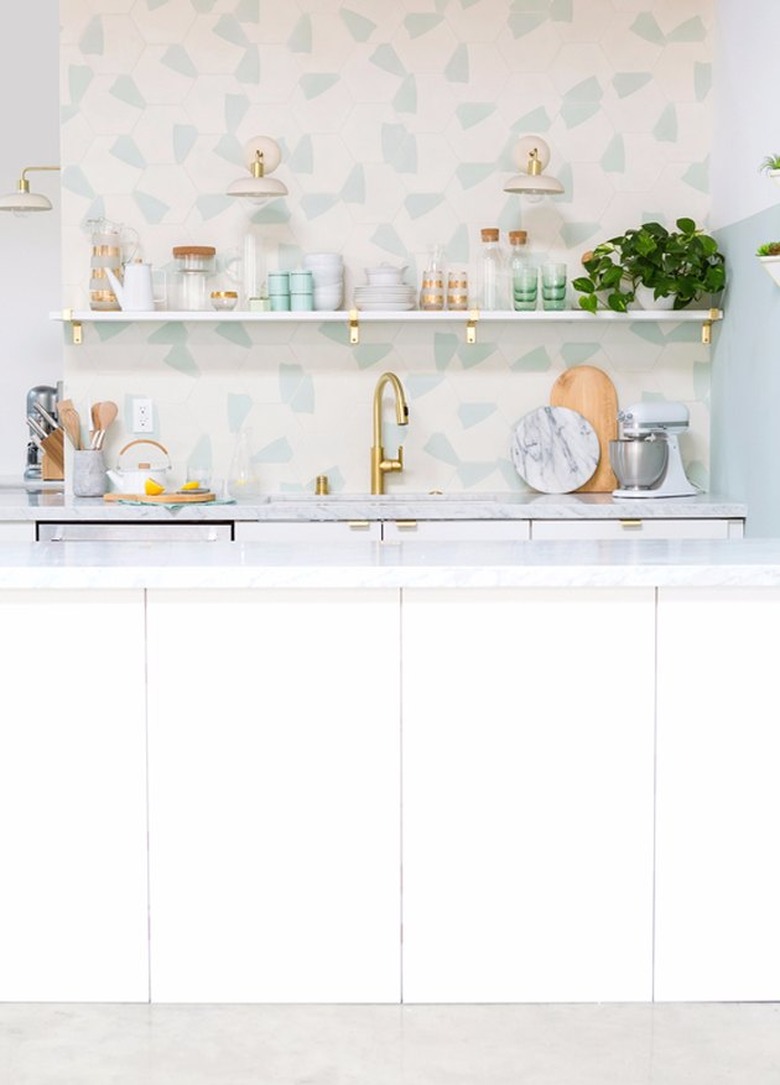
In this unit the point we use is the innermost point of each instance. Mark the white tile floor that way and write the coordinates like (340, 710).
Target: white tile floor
(669, 1044)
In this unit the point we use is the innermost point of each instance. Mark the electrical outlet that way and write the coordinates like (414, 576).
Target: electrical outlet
(143, 419)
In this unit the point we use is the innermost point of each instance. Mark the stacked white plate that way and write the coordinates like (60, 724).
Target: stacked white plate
(397, 298)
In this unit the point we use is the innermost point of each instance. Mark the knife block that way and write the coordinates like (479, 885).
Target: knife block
(53, 462)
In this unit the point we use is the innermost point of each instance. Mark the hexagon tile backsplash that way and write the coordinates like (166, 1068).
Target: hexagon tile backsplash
(398, 124)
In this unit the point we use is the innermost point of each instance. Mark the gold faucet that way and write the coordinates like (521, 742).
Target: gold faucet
(379, 465)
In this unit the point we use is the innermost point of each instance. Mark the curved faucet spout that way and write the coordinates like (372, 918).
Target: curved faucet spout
(379, 465)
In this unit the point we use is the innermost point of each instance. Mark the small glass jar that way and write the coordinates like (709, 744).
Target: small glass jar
(195, 263)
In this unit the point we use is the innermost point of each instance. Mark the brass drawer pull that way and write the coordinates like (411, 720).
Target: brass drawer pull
(630, 523)
(358, 525)
(405, 525)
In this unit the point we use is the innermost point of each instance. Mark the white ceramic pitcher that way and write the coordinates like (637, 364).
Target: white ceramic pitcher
(135, 294)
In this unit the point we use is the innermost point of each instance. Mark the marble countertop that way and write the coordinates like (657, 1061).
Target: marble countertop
(20, 504)
(407, 564)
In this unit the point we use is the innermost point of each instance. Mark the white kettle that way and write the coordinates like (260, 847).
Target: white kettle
(136, 293)
(132, 472)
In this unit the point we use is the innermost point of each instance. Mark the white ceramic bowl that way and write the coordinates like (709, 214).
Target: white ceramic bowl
(329, 298)
(385, 275)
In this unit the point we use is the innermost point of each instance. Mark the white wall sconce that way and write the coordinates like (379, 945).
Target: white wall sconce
(23, 200)
(263, 155)
(533, 154)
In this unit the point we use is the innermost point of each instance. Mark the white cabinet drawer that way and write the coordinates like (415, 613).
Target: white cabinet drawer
(286, 531)
(18, 531)
(636, 529)
(457, 530)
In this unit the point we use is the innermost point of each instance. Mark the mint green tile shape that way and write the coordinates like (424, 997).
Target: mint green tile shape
(92, 42)
(109, 331)
(125, 149)
(300, 41)
(578, 353)
(440, 448)
(359, 26)
(614, 158)
(184, 138)
(386, 58)
(471, 474)
(274, 213)
(645, 26)
(405, 100)
(626, 83)
(577, 113)
(524, 24)
(79, 79)
(75, 180)
(399, 148)
(248, 11)
(422, 384)
(386, 238)
(422, 203)
(587, 90)
(419, 24)
(684, 333)
(470, 114)
(178, 60)
(203, 6)
(562, 11)
(471, 414)
(234, 333)
(577, 233)
(535, 361)
(248, 70)
(152, 209)
(238, 405)
(702, 80)
(445, 349)
(354, 188)
(339, 333)
(457, 250)
(506, 470)
(457, 69)
(125, 89)
(301, 160)
(536, 120)
(153, 5)
(201, 456)
(172, 333)
(231, 149)
(698, 176)
(236, 109)
(566, 177)
(665, 130)
(316, 204)
(297, 389)
(473, 354)
(213, 204)
(180, 359)
(366, 354)
(316, 83)
(691, 30)
(229, 28)
(651, 333)
(471, 174)
(279, 451)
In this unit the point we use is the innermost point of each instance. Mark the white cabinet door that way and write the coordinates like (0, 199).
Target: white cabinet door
(456, 530)
(314, 531)
(528, 795)
(718, 880)
(637, 529)
(17, 531)
(73, 907)
(274, 796)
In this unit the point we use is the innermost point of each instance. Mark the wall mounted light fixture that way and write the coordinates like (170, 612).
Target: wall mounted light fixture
(23, 200)
(533, 154)
(263, 155)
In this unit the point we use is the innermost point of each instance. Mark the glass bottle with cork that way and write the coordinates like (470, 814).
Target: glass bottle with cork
(491, 272)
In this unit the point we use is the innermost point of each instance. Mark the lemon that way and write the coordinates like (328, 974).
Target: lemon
(191, 486)
(152, 487)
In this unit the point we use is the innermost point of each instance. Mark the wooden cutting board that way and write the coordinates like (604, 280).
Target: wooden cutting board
(163, 499)
(589, 390)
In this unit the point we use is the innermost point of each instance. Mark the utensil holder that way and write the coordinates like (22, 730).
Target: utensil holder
(89, 473)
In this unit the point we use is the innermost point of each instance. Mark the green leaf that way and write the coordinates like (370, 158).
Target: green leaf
(589, 303)
(584, 285)
(686, 226)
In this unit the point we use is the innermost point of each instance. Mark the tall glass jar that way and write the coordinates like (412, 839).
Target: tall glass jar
(195, 264)
(491, 272)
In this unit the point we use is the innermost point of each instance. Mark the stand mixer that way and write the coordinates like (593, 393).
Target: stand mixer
(646, 459)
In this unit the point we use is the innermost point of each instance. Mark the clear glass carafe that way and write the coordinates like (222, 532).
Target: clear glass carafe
(243, 480)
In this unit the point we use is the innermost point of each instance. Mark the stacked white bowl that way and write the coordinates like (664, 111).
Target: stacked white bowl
(385, 289)
(327, 269)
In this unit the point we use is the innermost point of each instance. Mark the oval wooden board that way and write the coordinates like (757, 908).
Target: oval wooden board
(589, 390)
(163, 498)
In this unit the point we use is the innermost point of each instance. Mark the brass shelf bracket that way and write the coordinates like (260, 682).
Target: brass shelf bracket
(471, 326)
(76, 328)
(354, 328)
(706, 328)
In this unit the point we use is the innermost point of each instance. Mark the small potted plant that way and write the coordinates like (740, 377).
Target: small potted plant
(771, 167)
(657, 267)
(769, 256)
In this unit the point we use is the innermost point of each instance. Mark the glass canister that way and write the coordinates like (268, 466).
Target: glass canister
(195, 264)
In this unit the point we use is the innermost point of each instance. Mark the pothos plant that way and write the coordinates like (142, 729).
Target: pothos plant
(684, 263)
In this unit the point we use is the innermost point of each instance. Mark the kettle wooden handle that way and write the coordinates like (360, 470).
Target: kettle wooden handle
(145, 441)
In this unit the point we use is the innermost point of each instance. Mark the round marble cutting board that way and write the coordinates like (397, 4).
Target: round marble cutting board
(554, 449)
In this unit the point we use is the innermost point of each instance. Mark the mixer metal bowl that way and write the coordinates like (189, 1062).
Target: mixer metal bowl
(638, 463)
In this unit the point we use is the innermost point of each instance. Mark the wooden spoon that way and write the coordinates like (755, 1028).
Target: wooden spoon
(106, 413)
(71, 423)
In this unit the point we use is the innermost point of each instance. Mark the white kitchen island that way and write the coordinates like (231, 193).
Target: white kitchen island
(498, 772)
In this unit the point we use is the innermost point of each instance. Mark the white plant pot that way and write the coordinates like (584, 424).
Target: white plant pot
(774, 175)
(772, 265)
(645, 299)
